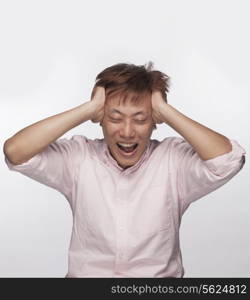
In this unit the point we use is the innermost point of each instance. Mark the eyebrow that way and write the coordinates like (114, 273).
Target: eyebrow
(135, 114)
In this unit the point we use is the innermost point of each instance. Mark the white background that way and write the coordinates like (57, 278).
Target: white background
(50, 54)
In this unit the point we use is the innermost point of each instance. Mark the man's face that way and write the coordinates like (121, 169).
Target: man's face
(127, 124)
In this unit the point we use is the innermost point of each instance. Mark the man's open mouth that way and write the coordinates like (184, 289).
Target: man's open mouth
(127, 148)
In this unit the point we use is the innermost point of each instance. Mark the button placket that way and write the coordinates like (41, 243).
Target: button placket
(121, 225)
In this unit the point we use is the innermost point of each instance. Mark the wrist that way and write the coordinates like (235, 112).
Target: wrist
(87, 110)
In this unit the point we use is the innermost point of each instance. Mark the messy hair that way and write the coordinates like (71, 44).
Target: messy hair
(131, 81)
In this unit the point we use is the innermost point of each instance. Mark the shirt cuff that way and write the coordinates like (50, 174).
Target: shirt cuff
(34, 161)
(223, 165)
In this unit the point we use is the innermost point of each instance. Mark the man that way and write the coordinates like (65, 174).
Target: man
(127, 192)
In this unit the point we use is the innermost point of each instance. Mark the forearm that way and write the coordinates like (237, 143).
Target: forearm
(206, 142)
(36, 137)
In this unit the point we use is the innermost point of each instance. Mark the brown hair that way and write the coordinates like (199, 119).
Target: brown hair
(123, 80)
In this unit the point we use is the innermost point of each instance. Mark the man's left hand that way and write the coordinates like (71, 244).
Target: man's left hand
(158, 103)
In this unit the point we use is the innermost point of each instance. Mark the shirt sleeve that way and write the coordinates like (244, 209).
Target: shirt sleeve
(196, 177)
(57, 165)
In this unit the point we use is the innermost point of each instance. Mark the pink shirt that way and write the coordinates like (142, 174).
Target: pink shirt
(126, 222)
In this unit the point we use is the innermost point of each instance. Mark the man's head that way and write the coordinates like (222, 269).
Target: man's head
(128, 111)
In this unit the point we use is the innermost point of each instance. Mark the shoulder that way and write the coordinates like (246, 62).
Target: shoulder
(76, 140)
(94, 147)
(74, 145)
(174, 147)
(171, 143)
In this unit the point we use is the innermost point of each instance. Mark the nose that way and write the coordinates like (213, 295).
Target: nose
(127, 130)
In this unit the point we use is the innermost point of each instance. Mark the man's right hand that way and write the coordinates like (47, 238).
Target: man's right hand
(98, 102)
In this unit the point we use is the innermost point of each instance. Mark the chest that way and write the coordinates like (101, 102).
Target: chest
(141, 203)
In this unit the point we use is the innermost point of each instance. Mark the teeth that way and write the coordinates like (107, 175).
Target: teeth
(126, 145)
